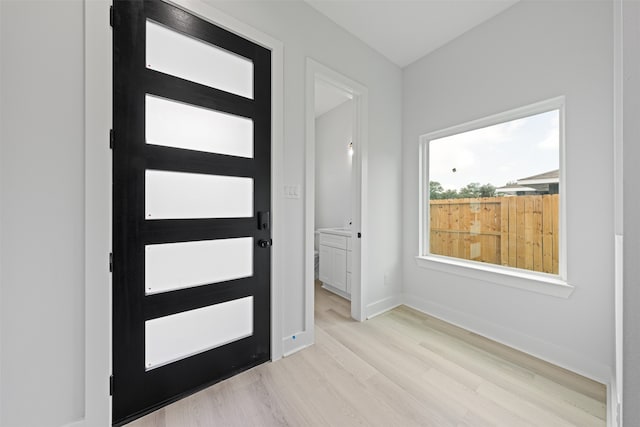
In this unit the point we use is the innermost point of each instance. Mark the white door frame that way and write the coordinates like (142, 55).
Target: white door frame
(98, 118)
(360, 100)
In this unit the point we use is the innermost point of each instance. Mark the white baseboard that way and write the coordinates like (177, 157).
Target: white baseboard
(618, 377)
(376, 308)
(336, 291)
(296, 342)
(612, 405)
(544, 350)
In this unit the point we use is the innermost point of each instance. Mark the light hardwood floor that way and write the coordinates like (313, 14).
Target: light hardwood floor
(402, 368)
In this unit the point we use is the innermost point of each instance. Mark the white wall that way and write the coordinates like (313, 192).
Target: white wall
(307, 33)
(42, 180)
(533, 51)
(631, 136)
(42, 213)
(333, 167)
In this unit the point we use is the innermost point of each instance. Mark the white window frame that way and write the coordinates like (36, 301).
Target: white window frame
(544, 283)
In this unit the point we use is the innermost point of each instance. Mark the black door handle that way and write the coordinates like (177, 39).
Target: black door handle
(265, 243)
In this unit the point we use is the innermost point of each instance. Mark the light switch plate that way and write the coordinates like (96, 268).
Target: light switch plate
(292, 191)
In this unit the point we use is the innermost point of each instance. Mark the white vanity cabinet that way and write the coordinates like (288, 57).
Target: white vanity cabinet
(349, 264)
(335, 260)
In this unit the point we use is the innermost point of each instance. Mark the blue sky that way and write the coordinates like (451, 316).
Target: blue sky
(497, 154)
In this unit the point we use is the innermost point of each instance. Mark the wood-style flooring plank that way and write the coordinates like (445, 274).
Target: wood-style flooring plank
(402, 368)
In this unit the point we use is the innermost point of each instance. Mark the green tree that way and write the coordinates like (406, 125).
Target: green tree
(450, 194)
(435, 190)
(472, 190)
(487, 190)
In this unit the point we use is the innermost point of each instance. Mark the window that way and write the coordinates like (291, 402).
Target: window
(491, 193)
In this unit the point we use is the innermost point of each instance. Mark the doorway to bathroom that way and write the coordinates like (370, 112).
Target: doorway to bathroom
(335, 229)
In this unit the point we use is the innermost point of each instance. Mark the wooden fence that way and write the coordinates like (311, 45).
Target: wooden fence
(518, 231)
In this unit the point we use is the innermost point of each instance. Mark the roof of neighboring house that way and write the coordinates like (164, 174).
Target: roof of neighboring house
(550, 177)
(513, 188)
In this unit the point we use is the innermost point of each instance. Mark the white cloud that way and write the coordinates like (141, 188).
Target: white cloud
(496, 154)
(490, 135)
(552, 140)
(446, 160)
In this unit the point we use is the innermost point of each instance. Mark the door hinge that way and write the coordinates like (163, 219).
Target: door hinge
(110, 262)
(111, 385)
(111, 138)
(111, 16)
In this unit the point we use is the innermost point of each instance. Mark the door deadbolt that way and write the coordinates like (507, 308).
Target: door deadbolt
(265, 243)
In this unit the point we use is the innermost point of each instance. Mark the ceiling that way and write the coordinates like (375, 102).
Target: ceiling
(406, 30)
(327, 97)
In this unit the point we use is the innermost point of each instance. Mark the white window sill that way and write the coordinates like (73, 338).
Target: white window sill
(541, 283)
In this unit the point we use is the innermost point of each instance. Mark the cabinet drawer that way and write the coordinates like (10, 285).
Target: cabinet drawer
(333, 240)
